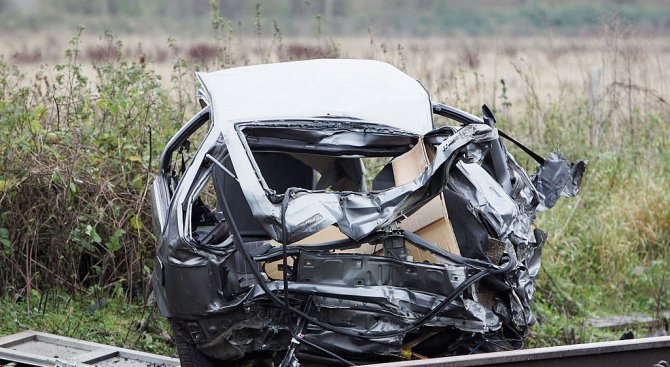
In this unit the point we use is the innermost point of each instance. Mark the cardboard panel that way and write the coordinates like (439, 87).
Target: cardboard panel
(326, 235)
(431, 221)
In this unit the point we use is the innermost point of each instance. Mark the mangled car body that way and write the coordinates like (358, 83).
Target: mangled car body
(323, 219)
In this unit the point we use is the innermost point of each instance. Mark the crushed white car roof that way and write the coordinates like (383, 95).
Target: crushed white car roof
(369, 90)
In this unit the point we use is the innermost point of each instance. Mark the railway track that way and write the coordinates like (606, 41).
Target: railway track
(40, 349)
(621, 353)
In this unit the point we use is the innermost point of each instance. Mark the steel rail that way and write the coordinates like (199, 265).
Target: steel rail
(621, 353)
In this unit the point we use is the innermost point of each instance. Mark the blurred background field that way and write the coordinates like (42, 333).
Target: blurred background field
(90, 91)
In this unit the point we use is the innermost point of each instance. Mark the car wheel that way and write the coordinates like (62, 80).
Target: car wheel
(190, 356)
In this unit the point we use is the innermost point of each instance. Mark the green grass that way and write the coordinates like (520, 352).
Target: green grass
(608, 249)
(110, 321)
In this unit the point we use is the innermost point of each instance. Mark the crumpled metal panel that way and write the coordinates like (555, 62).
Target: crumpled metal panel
(512, 219)
(488, 197)
(557, 177)
(230, 309)
(400, 305)
(357, 214)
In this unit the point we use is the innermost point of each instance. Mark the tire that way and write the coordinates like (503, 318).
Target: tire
(190, 356)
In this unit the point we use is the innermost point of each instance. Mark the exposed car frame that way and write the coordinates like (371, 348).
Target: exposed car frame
(283, 154)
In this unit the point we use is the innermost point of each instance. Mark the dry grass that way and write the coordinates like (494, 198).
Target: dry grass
(463, 71)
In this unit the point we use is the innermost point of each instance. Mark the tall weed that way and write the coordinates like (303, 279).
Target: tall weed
(76, 171)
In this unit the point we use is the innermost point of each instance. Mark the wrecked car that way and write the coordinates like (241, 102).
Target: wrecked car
(311, 213)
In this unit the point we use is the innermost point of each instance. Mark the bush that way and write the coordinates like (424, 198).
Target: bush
(75, 173)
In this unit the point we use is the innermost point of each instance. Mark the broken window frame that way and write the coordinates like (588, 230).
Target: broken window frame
(383, 131)
(166, 194)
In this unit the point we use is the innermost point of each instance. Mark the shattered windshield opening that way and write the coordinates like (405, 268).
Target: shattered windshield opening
(419, 177)
(330, 156)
